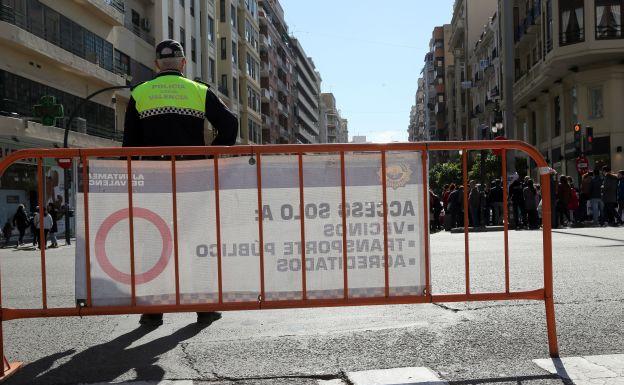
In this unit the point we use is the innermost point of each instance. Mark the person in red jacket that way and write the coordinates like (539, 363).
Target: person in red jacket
(573, 203)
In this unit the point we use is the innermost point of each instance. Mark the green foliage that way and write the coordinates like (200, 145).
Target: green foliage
(492, 168)
(444, 173)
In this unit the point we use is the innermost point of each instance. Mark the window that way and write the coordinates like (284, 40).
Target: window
(183, 38)
(136, 18)
(192, 6)
(233, 15)
(572, 22)
(234, 53)
(549, 26)
(252, 67)
(235, 88)
(254, 133)
(222, 11)
(211, 35)
(252, 7)
(223, 86)
(251, 35)
(253, 99)
(557, 116)
(170, 28)
(182, 3)
(52, 26)
(595, 103)
(609, 19)
(211, 70)
(223, 48)
(122, 62)
(193, 52)
(35, 18)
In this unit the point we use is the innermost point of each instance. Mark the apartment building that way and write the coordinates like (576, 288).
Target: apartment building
(333, 128)
(306, 93)
(467, 23)
(487, 78)
(416, 131)
(249, 72)
(67, 50)
(276, 74)
(569, 69)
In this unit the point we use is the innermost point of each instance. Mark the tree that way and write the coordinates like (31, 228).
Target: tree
(492, 167)
(444, 173)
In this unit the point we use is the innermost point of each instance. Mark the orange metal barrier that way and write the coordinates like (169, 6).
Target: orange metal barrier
(544, 294)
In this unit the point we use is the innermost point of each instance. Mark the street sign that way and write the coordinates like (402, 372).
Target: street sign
(48, 111)
(64, 163)
(582, 165)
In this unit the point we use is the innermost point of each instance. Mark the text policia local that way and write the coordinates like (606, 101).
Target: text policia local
(364, 245)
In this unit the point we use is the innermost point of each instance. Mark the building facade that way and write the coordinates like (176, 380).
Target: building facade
(569, 70)
(306, 94)
(276, 74)
(417, 131)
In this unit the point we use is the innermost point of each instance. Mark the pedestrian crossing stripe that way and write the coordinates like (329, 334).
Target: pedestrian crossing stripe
(587, 370)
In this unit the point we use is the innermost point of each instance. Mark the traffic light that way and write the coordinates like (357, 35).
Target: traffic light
(589, 139)
(578, 137)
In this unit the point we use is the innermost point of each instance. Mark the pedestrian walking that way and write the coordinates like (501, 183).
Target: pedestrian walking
(54, 214)
(21, 221)
(609, 196)
(585, 189)
(47, 226)
(170, 110)
(595, 197)
(529, 194)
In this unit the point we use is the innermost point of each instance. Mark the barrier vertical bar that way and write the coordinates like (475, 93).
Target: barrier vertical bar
(87, 236)
(131, 228)
(260, 224)
(343, 185)
(466, 220)
(42, 240)
(218, 225)
(385, 222)
(426, 212)
(551, 325)
(176, 255)
(505, 217)
(302, 222)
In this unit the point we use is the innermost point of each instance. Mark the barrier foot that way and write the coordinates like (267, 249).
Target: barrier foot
(10, 368)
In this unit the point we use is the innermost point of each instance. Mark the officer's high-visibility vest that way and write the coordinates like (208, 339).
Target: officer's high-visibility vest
(170, 94)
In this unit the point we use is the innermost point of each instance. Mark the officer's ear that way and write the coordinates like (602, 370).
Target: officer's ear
(182, 65)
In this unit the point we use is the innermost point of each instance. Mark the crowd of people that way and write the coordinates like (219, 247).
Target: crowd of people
(23, 220)
(598, 199)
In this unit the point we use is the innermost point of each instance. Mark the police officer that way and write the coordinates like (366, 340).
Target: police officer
(169, 110)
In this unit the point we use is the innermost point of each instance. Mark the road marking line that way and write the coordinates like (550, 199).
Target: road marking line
(587, 370)
(396, 376)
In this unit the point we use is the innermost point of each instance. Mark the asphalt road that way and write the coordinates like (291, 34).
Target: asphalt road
(464, 343)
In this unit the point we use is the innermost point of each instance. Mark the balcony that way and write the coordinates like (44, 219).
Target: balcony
(439, 88)
(284, 134)
(440, 108)
(282, 109)
(267, 95)
(609, 32)
(14, 32)
(141, 31)
(282, 87)
(110, 11)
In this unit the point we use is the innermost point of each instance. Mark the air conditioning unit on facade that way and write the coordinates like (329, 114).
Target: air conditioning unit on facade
(146, 25)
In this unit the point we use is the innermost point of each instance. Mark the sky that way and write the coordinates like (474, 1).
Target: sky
(369, 54)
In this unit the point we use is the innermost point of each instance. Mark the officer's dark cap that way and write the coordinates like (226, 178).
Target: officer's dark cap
(169, 48)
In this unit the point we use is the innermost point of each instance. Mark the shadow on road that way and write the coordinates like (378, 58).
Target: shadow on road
(588, 236)
(107, 361)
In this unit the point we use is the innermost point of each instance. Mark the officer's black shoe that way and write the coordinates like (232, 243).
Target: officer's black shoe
(151, 320)
(208, 318)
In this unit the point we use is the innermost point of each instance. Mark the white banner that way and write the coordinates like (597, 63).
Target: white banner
(109, 235)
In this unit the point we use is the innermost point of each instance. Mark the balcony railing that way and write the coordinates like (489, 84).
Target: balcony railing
(140, 32)
(572, 37)
(117, 4)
